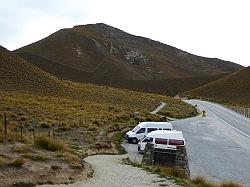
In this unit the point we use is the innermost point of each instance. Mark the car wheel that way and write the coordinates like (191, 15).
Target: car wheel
(134, 140)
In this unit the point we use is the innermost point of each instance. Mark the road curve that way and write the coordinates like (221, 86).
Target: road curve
(218, 145)
(227, 116)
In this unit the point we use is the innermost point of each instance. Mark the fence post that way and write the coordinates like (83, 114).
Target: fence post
(5, 125)
(34, 135)
(21, 130)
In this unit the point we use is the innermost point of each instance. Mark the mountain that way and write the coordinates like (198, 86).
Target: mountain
(234, 88)
(18, 76)
(102, 54)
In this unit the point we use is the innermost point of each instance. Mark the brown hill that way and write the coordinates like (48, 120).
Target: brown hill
(105, 51)
(19, 76)
(164, 86)
(104, 55)
(234, 88)
(58, 122)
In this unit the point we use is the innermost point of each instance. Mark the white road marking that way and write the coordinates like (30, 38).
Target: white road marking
(228, 123)
(228, 110)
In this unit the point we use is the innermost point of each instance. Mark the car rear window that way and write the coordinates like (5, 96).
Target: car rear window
(176, 142)
(161, 141)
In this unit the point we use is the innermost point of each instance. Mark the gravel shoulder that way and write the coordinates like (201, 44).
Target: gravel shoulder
(109, 171)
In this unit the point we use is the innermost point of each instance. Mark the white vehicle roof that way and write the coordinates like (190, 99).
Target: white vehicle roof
(166, 134)
(155, 124)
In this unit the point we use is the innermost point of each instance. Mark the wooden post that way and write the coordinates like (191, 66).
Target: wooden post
(58, 126)
(34, 135)
(21, 130)
(5, 125)
(80, 122)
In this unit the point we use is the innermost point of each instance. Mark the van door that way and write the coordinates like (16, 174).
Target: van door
(140, 133)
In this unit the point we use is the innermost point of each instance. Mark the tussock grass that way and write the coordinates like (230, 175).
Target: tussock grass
(230, 184)
(19, 162)
(45, 125)
(48, 144)
(35, 157)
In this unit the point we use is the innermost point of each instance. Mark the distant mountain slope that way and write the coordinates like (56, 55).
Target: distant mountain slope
(234, 88)
(105, 51)
(19, 75)
(164, 86)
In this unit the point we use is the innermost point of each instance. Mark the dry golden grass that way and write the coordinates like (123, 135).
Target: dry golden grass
(50, 110)
(234, 89)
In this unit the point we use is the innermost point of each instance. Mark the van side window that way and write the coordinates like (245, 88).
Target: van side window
(148, 139)
(142, 130)
(161, 141)
(151, 129)
(167, 129)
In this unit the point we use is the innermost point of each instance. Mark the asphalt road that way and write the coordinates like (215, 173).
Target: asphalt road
(218, 145)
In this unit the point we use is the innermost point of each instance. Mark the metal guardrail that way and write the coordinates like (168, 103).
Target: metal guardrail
(243, 111)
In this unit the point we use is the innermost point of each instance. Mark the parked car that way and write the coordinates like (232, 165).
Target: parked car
(163, 139)
(143, 128)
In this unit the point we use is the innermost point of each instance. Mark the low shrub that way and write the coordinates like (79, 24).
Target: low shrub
(48, 144)
(45, 125)
(117, 139)
(230, 184)
(35, 157)
(18, 162)
(63, 128)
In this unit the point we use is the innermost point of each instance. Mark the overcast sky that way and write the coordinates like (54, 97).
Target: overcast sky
(211, 28)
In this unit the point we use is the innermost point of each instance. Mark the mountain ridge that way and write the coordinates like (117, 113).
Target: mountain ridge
(108, 51)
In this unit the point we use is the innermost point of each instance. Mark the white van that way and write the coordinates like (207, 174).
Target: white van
(163, 140)
(143, 128)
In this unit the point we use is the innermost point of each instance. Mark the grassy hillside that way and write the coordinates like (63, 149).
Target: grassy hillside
(234, 88)
(20, 76)
(165, 86)
(106, 51)
(52, 124)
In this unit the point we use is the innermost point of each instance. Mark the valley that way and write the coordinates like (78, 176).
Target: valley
(73, 94)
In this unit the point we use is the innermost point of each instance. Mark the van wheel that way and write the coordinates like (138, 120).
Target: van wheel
(134, 140)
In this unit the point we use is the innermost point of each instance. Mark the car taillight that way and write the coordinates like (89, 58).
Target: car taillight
(176, 142)
(161, 141)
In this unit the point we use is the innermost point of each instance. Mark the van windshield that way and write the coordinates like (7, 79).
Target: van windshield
(135, 129)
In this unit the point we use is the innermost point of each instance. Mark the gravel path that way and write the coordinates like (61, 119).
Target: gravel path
(158, 108)
(109, 172)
